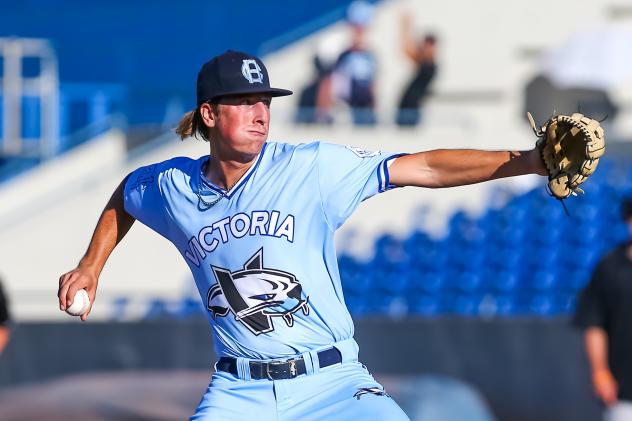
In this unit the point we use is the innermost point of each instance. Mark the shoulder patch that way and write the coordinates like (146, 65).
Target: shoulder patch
(143, 178)
(362, 153)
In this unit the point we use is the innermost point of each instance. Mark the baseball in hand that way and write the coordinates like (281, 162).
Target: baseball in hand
(80, 304)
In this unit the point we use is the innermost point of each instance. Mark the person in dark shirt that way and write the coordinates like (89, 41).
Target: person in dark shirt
(4, 320)
(423, 55)
(604, 311)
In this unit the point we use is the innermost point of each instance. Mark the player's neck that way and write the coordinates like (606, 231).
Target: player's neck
(225, 174)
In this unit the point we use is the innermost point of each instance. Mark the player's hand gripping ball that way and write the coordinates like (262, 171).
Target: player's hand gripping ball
(80, 304)
(570, 147)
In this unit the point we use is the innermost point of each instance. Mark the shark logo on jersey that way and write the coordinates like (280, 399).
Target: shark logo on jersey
(256, 294)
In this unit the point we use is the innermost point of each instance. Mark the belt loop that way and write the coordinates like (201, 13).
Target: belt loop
(348, 349)
(243, 368)
(313, 355)
(309, 363)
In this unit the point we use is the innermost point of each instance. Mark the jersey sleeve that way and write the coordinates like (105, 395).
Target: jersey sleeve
(348, 175)
(143, 198)
(591, 305)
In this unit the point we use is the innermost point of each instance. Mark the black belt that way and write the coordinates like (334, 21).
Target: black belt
(280, 370)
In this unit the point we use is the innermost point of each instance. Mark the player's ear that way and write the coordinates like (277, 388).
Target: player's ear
(209, 113)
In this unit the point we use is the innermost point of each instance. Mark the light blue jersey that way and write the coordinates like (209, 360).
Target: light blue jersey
(262, 254)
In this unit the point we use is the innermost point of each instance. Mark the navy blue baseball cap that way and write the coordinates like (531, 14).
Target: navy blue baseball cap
(234, 73)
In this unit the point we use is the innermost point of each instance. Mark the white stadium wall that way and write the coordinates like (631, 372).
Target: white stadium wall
(47, 216)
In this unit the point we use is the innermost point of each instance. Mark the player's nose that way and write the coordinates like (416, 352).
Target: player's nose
(261, 113)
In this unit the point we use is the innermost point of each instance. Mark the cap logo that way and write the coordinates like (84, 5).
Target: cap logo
(251, 71)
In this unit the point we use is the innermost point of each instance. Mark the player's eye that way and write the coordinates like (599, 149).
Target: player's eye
(262, 297)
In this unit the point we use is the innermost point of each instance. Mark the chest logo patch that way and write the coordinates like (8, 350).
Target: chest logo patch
(256, 294)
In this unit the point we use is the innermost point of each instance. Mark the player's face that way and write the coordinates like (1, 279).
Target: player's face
(242, 122)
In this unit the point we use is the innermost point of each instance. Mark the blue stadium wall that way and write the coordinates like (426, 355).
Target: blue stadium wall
(155, 49)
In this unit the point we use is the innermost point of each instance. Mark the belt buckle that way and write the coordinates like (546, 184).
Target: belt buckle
(292, 364)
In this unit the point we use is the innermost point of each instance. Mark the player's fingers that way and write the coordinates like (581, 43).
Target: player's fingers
(62, 280)
(70, 294)
(84, 316)
(63, 294)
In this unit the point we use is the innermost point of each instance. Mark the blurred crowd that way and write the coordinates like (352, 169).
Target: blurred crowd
(348, 77)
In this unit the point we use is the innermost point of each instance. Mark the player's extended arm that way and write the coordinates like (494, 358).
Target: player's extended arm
(113, 224)
(596, 341)
(458, 167)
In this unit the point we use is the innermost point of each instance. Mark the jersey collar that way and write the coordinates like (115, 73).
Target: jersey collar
(244, 178)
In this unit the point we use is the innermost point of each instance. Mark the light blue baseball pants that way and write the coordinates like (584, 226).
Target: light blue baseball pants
(344, 391)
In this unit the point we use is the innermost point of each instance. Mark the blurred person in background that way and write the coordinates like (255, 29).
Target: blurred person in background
(353, 76)
(423, 55)
(604, 311)
(315, 101)
(5, 333)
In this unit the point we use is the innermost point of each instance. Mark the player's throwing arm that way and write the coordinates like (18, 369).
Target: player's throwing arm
(113, 224)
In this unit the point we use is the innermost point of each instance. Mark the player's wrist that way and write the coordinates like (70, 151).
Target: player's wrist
(536, 163)
(90, 268)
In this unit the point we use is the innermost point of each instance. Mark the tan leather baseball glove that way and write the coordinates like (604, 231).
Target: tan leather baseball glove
(571, 147)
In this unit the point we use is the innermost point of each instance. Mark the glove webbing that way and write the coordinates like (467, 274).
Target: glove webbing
(539, 133)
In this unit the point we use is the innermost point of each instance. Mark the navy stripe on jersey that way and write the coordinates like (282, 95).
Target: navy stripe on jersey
(383, 176)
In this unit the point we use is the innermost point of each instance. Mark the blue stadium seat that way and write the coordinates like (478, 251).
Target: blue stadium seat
(158, 309)
(190, 307)
(566, 303)
(583, 257)
(417, 240)
(432, 258)
(119, 307)
(389, 249)
(526, 258)
(427, 282)
(468, 281)
(357, 304)
(425, 305)
(498, 306)
(543, 280)
(357, 282)
(543, 256)
(575, 279)
(506, 257)
(390, 282)
(508, 305)
(544, 305)
(502, 281)
(467, 258)
(465, 304)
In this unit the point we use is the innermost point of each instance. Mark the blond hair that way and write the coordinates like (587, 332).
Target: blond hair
(191, 125)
